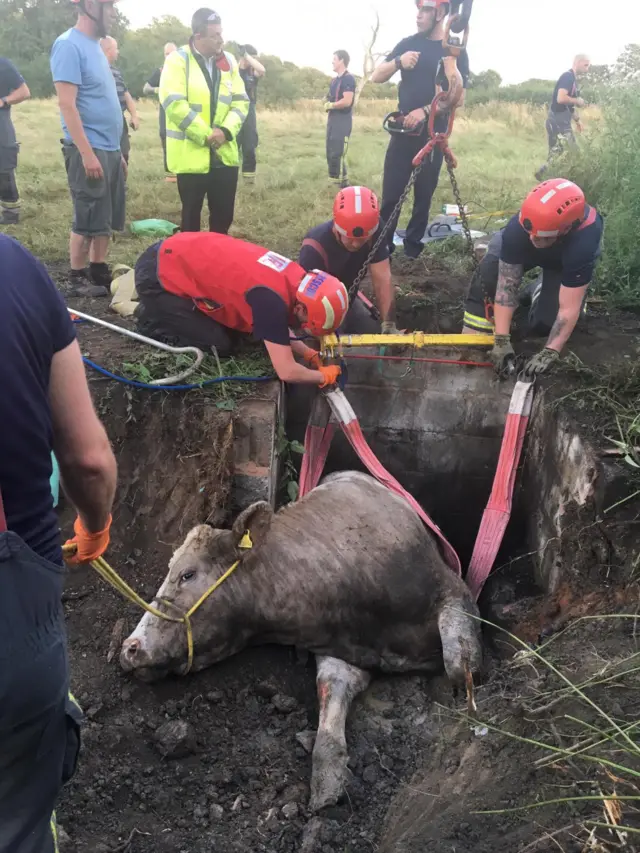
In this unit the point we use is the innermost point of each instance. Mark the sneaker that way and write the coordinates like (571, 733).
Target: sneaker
(9, 217)
(80, 284)
(412, 251)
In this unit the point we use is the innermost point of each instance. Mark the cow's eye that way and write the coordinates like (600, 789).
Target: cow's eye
(187, 576)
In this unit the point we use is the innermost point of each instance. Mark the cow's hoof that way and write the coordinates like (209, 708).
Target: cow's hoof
(330, 772)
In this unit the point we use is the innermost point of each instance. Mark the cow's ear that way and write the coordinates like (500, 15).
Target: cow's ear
(254, 520)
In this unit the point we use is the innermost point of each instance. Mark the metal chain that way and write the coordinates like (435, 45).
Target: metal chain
(391, 221)
(462, 211)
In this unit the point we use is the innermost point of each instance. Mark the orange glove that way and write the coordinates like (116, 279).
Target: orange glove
(313, 359)
(89, 546)
(330, 374)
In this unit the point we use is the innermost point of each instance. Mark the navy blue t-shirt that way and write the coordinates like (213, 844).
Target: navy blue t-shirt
(340, 85)
(569, 82)
(322, 251)
(10, 78)
(418, 85)
(34, 325)
(574, 255)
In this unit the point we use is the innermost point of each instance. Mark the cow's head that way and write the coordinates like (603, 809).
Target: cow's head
(222, 624)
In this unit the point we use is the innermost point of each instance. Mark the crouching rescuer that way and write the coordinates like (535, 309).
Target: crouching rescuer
(210, 290)
(558, 232)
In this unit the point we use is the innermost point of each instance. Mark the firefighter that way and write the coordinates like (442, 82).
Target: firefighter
(418, 58)
(205, 103)
(251, 71)
(208, 290)
(342, 245)
(557, 231)
(13, 91)
(339, 106)
(45, 405)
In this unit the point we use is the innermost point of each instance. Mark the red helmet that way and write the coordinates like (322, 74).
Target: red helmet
(356, 212)
(431, 4)
(553, 208)
(326, 300)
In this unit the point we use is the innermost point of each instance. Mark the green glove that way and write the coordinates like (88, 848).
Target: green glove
(540, 363)
(328, 106)
(503, 355)
(389, 328)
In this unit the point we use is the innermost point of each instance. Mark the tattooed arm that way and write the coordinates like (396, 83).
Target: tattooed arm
(509, 281)
(570, 305)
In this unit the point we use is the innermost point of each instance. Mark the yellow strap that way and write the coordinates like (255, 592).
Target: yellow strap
(113, 578)
(415, 339)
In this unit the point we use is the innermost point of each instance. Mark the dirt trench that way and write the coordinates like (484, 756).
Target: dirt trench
(421, 772)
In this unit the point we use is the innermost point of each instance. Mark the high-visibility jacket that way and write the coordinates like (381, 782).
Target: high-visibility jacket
(195, 103)
(217, 271)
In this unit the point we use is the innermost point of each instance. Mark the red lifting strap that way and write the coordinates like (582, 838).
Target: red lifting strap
(498, 511)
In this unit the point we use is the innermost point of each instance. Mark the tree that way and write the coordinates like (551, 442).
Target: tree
(28, 29)
(627, 67)
(489, 79)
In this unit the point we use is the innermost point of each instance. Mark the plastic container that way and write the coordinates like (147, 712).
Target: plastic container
(153, 228)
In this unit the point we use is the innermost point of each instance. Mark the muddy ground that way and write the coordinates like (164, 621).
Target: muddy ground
(421, 773)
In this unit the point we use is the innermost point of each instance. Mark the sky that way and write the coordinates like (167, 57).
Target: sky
(518, 38)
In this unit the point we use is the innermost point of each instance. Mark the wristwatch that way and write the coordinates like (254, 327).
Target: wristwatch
(5, 102)
(398, 62)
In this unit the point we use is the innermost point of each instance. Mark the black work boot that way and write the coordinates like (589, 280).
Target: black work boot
(100, 274)
(9, 216)
(80, 284)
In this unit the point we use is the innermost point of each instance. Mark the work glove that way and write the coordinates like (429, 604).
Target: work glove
(390, 328)
(328, 106)
(313, 359)
(503, 355)
(330, 375)
(540, 363)
(89, 546)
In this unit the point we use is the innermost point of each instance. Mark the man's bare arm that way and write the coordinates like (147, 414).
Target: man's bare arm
(18, 95)
(509, 281)
(345, 101)
(67, 94)
(570, 299)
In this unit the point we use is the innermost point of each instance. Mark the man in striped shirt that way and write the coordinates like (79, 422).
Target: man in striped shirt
(127, 104)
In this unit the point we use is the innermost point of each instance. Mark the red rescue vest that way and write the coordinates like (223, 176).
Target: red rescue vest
(217, 272)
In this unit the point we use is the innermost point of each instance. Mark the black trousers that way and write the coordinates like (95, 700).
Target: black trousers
(163, 142)
(9, 196)
(339, 127)
(248, 141)
(219, 185)
(397, 171)
(39, 722)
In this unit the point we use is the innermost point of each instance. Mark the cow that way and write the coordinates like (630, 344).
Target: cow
(348, 572)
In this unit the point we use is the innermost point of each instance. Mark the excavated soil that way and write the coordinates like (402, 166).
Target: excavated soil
(421, 773)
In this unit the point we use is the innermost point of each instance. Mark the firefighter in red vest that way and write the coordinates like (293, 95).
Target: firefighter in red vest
(557, 231)
(207, 290)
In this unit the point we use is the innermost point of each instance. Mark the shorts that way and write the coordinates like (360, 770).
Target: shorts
(98, 206)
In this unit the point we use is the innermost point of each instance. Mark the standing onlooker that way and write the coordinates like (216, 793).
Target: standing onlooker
(562, 112)
(45, 406)
(206, 104)
(251, 71)
(127, 104)
(92, 123)
(13, 90)
(339, 106)
(419, 60)
(152, 87)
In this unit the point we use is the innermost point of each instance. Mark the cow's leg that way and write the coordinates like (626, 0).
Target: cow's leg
(338, 684)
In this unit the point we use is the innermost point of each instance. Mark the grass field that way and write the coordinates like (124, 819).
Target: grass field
(498, 147)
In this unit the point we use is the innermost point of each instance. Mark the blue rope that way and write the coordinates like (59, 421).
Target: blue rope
(146, 386)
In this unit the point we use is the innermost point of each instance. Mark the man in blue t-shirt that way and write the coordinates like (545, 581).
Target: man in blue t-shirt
(562, 111)
(45, 406)
(92, 123)
(339, 105)
(419, 60)
(557, 231)
(13, 90)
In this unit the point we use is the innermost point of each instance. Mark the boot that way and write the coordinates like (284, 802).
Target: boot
(80, 284)
(100, 274)
(9, 216)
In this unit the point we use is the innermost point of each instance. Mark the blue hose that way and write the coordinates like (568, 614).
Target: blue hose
(146, 386)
